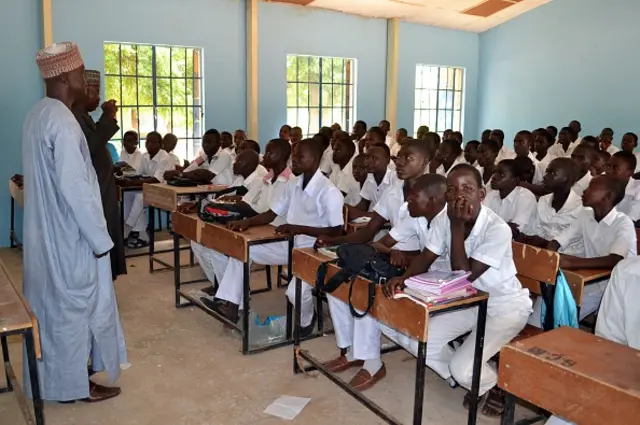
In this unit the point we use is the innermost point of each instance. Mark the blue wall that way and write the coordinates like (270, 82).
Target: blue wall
(218, 26)
(20, 88)
(569, 59)
(287, 29)
(420, 44)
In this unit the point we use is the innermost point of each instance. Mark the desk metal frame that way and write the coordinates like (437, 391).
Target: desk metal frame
(13, 237)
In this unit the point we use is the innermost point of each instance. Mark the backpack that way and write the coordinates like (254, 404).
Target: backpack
(210, 212)
(356, 259)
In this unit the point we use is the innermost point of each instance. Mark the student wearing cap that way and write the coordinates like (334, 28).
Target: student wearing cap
(98, 135)
(68, 284)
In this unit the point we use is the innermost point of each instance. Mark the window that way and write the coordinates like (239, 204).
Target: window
(320, 92)
(157, 88)
(439, 94)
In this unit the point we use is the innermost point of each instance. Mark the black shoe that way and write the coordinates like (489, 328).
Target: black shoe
(209, 290)
(307, 331)
(224, 308)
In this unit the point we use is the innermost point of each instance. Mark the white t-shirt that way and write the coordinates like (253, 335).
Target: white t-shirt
(219, 164)
(581, 185)
(343, 179)
(518, 207)
(261, 197)
(393, 208)
(541, 168)
(557, 151)
(549, 224)
(630, 204)
(371, 191)
(326, 162)
(440, 170)
(156, 166)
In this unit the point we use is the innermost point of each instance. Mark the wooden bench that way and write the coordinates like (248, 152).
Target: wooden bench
(578, 376)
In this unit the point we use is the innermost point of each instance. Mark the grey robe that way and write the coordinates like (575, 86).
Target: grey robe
(68, 288)
(98, 135)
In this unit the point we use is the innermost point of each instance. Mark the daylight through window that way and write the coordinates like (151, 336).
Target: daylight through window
(439, 98)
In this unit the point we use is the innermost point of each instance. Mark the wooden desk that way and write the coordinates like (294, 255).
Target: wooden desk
(17, 196)
(235, 245)
(404, 315)
(576, 375)
(16, 318)
(577, 279)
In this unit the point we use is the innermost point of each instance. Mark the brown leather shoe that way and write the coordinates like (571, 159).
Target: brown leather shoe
(340, 364)
(101, 393)
(363, 379)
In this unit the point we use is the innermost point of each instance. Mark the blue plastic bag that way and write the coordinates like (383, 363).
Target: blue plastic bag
(565, 310)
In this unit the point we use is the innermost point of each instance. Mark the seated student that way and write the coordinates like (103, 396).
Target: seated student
(155, 163)
(422, 131)
(565, 145)
(486, 135)
(512, 203)
(216, 168)
(373, 136)
(335, 126)
(553, 132)
(379, 178)
(583, 156)
(130, 154)
(245, 170)
(226, 142)
(497, 136)
(628, 144)
(254, 146)
(556, 210)
(591, 141)
(606, 141)
(477, 240)
(312, 207)
(326, 163)
(358, 132)
(359, 169)
(169, 143)
(541, 143)
(447, 134)
(487, 154)
(526, 169)
(607, 236)
(285, 133)
(457, 136)
(522, 145)
(361, 336)
(342, 172)
(432, 139)
(296, 135)
(471, 152)
(256, 201)
(401, 134)
(239, 136)
(621, 167)
(600, 162)
(448, 156)
(577, 128)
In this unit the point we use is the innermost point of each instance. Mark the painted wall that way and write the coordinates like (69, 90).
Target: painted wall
(285, 29)
(20, 88)
(569, 59)
(420, 44)
(217, 26)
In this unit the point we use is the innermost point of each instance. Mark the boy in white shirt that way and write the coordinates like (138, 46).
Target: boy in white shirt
(471, 152)
(154, 164)
(583, 156)
(606, 141)
(254, 146)
(628, 144)
(379, 178)
(474, 239)
(565, 144)
(239, 136)
(497, 135)
(245, 170)
(621, 167)
(522, 144)
(401, 134)
(226, 142)
(607, 236)
(448, 156)
(326, 162)
(216, 168)
(130, 153)
(342, 172)
(312, 206)
(169, 143)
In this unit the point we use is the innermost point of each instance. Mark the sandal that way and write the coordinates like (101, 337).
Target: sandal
(494, 403)
(137, 243)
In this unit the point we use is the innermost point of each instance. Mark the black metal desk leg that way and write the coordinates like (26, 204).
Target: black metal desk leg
(246, 273)
(33, 375)
(5, 357)
(548, 294)
(296, 323)
(176, 270)
(13, 222)
(508, 414)
(477, 362)
(419, 391)
(152, 235)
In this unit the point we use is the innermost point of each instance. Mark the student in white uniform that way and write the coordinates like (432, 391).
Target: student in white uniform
(477, 240)
(326, 162)
(285, 133)
(606, 141)
(487, 155)
(256, 201)
(379, 178)
(522, 145)
(449, 155)
(497, 135)
(583, 156)
(358, 132)
(471, 152)
(373, 136)
(130, 154)
(553, 132)
(389, 140)
(607, 236)
(169, 143)
(361, 337)
(245, 171)
(565, 145)
(254, 146)
(542, 141)
(342, 173)
(155, 163)
(239, 136)
(433, 141)
(621, 167)
(312, 206)
(628, 144)
(576, 127)
(516, 205)
(216, 168)
(401, 134)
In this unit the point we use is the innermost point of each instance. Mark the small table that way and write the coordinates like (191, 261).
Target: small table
(17, 196)
(405, 315)
(581, 377)
(166, 198)
(16, 318)
(235, 245)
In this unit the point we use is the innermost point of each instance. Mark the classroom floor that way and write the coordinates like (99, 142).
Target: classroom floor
(188, 370)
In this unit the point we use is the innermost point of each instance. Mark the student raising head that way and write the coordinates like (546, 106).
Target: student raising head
(478, 241)
(621, 167)
(471, 152)
(583, 156)
(487, 154)
(130, 153)
(628, 144)
(566, 143)
(513, 203)
(553, 132)
(296, 135)
(606, 141)
(448, 156)
(359, 130)
(342, 172)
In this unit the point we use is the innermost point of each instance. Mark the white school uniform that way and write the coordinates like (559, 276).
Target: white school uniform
(505, 153)
(219, 164)
(326, 162)
(612, 149)
(371, 191)
(253, 180)
(343, 179)
(175, 159)
(548, 223)
(581, 185)
(440, 170)
(319, 204)
(557, 151)
(232, 152)
(518, 207)
(132, 159)
(259, 198)
(508, 306)
(630, 204)
(133, 201)
(541, 168)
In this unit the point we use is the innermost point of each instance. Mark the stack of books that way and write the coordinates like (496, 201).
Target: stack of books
(439, 286)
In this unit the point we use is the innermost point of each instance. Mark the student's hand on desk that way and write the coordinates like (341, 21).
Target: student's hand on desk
(168, 175)
(392, 286)
(287, 229)
(323, 241)
(239, 226)
(399, 259)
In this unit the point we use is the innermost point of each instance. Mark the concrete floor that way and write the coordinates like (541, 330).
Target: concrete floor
(188, 370)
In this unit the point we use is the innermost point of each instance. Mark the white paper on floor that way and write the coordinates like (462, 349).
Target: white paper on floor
(287, 407)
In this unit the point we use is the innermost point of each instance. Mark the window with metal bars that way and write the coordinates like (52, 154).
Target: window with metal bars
(320, 92)
(158, 88)
(439, 98)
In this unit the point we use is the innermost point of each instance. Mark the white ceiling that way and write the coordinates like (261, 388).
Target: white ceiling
(440, 13)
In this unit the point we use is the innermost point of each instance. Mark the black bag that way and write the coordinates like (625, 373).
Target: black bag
(355, 260)
(215, 213)
(181, 182)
